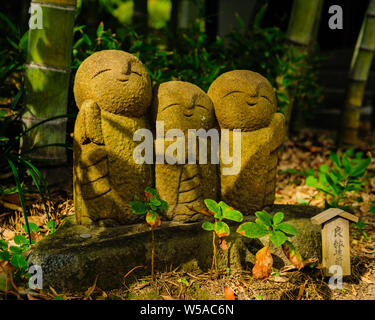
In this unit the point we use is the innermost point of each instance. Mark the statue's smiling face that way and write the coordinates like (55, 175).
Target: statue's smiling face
(243, 100)
(117, 81)
(182, 105)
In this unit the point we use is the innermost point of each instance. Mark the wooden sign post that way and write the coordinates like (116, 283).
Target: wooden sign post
(335, 239)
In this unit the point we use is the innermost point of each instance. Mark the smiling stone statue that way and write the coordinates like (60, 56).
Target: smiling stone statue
(183, 106)
(113, 92)
(246, 100)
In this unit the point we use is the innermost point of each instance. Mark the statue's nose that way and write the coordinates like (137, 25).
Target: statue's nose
(189, 110)
(190, 106)
(126, 69)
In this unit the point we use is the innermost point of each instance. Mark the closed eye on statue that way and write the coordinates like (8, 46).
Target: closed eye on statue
(100, 72)
(227, 94)
(137, 73)
(251, 103)
(268, 99)
(200, 106)
(170, 105)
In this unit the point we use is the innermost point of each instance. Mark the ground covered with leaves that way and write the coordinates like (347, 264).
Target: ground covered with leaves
(302, 154)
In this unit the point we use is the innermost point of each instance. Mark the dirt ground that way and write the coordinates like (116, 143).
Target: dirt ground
(309, 150)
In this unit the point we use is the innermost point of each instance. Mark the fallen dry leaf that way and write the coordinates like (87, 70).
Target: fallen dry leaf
(90, 290)
(263, 263)
(166, 297)
(278, 279)
(293, 255)
(223, 244)
(229, 293)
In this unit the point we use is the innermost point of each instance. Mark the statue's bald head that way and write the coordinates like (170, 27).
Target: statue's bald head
(243, 100)
(116, 80)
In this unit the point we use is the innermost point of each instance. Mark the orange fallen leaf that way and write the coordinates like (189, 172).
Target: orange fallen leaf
(293, 255)
(263, 263)
(229, 293)
(167, 297)
(223, 244)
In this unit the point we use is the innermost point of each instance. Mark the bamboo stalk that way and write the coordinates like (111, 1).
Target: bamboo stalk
(47, 74)
(140, 16)
(302, 31)
(357, 79)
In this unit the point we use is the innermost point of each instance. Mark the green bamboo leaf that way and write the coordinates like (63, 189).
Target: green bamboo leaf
(346, 163)
(9, 23)
(36, 182)
(20, 195)
(324, 168)
(72, 116)
(311, 181)
(45, 186)
(360, 168)
(335, 159)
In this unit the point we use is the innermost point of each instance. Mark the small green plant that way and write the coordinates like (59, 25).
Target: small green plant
(268, 225)
(359, 226)
(372, 207)
(219, 212)
(13, 48)
(20, 163)
(184, 281)
(278, 233)
(85, 46)
(343, 177)
(152, 207)
(13, 256)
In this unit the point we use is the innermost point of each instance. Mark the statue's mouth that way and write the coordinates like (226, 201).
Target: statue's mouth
(123, 80)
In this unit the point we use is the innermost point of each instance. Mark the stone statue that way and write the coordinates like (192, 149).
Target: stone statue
(246, 100)
(113, 93)
(182, 105)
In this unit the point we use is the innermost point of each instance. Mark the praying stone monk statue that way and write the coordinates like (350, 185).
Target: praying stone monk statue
(113, 92)
(183, 106)
(246, 100)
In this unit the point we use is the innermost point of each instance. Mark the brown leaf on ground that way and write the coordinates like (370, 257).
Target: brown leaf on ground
(223, 244)
(229, 293)
(292, 254)
(166, 297)
(90, 290)
(263, 263)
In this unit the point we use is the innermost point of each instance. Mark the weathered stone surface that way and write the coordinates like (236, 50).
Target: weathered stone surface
(246, 100)
(113, 92)
(70, 260)
(182, 105)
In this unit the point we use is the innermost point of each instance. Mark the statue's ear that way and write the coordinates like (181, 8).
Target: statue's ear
(92, 119)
